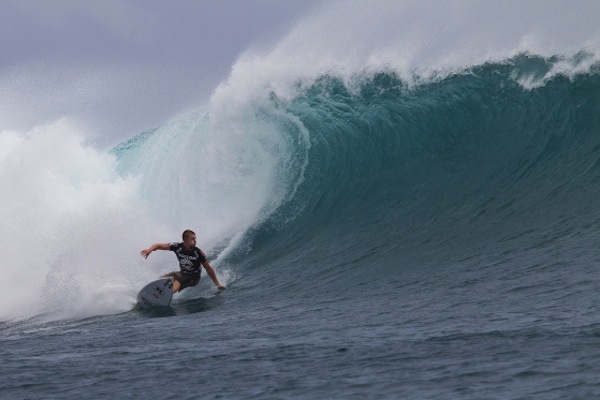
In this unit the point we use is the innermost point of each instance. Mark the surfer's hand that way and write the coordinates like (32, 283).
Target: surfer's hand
(221, 287)
(145, 253)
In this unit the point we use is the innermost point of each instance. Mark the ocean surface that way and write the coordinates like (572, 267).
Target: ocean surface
(381, 236)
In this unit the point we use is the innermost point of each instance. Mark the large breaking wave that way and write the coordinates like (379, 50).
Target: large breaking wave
(400, 153)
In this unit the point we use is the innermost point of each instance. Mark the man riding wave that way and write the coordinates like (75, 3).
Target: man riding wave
(190, 258)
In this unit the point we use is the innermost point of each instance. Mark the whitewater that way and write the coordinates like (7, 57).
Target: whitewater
(401, 200)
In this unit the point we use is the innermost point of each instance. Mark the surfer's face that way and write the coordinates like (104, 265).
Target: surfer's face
(190, 241)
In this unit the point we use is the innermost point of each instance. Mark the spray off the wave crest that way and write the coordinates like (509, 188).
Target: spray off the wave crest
(416, 40)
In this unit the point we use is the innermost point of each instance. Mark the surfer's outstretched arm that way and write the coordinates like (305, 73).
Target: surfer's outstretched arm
(158, 246)
(213, 275)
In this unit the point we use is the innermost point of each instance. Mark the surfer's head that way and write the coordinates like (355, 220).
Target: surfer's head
(189, 238)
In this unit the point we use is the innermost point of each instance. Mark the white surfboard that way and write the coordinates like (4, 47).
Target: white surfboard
(157, 293)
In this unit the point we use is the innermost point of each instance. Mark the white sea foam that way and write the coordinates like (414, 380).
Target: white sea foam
(67, 220)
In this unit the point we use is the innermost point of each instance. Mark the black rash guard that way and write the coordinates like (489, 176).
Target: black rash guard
(190, 260)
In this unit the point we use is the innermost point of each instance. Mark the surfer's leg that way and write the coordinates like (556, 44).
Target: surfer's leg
(187, 281)
(176, 286)
(176, 280)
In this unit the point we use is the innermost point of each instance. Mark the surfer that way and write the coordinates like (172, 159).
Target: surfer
(190, 259)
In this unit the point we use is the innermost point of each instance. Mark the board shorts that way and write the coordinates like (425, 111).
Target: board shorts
(185, 280)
